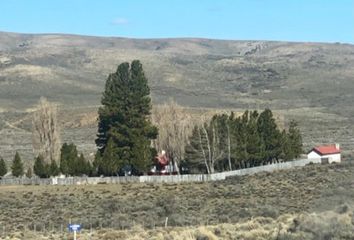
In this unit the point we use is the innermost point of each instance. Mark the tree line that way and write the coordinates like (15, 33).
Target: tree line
(71, 164)
(227, 142)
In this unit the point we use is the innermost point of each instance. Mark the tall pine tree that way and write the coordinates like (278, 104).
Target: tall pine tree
(270, 135)
(295, 139)
(124, 120)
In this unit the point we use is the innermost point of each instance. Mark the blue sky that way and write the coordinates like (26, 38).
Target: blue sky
(287, 20)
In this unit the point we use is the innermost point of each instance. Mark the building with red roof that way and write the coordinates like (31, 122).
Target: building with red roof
(327, 153)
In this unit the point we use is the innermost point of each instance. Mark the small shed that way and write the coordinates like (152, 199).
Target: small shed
(327, 153)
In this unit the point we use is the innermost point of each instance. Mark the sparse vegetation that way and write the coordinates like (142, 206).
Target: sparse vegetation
(270, 199)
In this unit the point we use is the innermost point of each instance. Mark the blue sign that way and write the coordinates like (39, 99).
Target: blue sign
(74, 227)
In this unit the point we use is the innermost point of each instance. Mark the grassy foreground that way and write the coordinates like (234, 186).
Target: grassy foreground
(336, 224)
(314, 202)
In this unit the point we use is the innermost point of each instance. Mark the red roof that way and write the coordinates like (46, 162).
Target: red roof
(325, 150)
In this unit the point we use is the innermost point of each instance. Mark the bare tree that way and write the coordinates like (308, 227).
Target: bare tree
(175, 126)
(215, 151)
(207, 144)
(46, 133)
(229, 146)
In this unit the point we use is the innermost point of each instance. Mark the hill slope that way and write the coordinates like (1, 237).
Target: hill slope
(312, 82)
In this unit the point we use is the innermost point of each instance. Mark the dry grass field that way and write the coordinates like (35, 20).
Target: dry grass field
(314, 202)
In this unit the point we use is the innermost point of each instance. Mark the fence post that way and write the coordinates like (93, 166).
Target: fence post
(166, 221)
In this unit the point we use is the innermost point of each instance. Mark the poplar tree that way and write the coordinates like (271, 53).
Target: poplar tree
(124, 129)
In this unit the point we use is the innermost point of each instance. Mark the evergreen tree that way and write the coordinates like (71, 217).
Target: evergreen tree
(17, 166)
(39, 167)
(3, 168)
(88, 168)
(270, 135)
(53, 169)
(295, 139)
(97, 165)
(64, 159)
(83, 166)
(196, 154)
(110, 164)
(254, 143)
(286, 151)
(68, 159)
(239, 131)
(124, 126)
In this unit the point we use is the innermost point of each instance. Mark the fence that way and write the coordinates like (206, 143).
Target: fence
(157, 179)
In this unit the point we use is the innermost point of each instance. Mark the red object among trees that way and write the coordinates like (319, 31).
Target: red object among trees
(162, 159)
(163, 165)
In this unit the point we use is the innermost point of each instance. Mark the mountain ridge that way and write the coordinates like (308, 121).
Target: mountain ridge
(166, 38)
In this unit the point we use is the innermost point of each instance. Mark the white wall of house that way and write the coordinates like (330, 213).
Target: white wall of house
(331, 157)
(313, 154)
